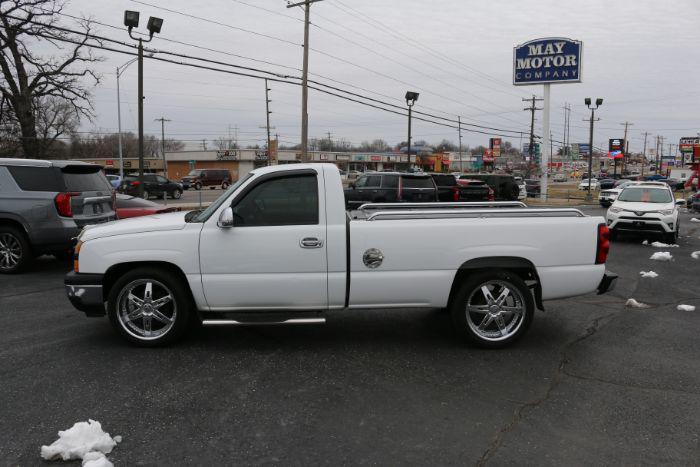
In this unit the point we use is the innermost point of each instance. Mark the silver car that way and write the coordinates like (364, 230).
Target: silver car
(45, 204)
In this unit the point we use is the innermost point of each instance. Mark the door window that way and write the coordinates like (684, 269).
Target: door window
(161, 179)
(373, 181)
(361, 182)
(281, 201)
(390, 181)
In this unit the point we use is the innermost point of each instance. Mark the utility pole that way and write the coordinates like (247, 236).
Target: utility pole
(267, 117)
(644, 152)
(330, 141)
(304, 78)
(204, 144)
(625, 147)
(162, 121)
(590, 149)
(532, 100)
(459, 126)
(565, 152)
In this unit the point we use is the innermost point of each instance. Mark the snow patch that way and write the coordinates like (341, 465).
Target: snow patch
(650, 274)
(694, 219)
(663, 245)
(645, 242)
(632, 303)
(695, 255)
(84, 440)
(96, 459)
(662, 256)
(685, 308)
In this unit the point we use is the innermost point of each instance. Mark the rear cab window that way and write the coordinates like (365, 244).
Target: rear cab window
(85, 178)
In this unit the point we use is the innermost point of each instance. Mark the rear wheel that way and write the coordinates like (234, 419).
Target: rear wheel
(149, 307)
(176, 194)
(15, 251)
(224, 185)
(492, 309)
(146, 194)
(197, 186)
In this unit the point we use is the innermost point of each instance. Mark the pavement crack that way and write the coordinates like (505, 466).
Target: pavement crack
(527, 407)
(629, 385)
(31, 292)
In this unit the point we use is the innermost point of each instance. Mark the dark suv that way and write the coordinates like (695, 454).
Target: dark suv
(153, 185)
(451, 189)
(504, 187)
(390, 187)
(206, 177)
(45, 204)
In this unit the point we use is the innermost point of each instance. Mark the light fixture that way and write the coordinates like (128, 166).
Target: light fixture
(131, 19)
(154, 25)
(411, 98)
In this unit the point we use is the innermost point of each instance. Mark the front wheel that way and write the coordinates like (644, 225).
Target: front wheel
(177, 194)
(146, 194)
(149, 307)
(197, 186)
(492, 309)
(224, 185)
(15, 251)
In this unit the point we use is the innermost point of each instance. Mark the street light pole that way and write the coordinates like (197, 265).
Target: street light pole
(598, 103)
(131, 20)
(411, 98)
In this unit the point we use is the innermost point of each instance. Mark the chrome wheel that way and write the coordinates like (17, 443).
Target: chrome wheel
(146, 309)
(10, 251)
(495, 310)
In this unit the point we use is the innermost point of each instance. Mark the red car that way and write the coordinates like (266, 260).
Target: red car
(131, 206)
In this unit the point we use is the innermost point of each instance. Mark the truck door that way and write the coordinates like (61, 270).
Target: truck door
(275, 255)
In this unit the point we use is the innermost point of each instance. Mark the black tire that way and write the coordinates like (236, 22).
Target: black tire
(224, 185)
(176, 194)
(179, 310)
(672, 238)
(146, 194)
(197, 186)
(515, 323)
(15, 251)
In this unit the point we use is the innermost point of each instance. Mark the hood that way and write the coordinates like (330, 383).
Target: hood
(642, 207)
(154, 223)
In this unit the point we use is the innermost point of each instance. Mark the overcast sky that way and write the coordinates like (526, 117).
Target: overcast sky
(641, 56)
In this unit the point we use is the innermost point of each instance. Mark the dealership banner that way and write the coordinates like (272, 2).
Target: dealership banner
(548, 60)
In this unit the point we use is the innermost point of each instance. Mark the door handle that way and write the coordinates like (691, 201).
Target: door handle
(310, 242)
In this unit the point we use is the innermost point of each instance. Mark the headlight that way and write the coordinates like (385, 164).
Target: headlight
(667, 212)
(614, 210)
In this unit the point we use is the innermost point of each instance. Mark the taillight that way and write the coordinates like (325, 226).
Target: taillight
(62, 201)
(135, 183)
(603, 248)
(492, 195)
(455, 194)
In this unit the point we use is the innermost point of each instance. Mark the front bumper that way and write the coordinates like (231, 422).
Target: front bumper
(85, 292)
(629, 221)
(607, 284)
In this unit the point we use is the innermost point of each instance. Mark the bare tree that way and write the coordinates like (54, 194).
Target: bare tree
(31, 80)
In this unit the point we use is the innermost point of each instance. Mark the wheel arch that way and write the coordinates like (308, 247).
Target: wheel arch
(114, 272)
(522, 267)
(11, 220)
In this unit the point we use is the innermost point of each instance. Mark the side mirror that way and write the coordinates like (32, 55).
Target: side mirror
(680, 202)
(226, 219)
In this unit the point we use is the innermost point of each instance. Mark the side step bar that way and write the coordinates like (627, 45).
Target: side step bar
(238, 322)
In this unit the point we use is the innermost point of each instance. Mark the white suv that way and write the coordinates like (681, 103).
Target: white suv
(647, 207)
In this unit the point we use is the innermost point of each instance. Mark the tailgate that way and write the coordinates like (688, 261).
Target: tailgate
(91, 194)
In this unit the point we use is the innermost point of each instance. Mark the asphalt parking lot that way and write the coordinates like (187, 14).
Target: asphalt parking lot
(593, 382)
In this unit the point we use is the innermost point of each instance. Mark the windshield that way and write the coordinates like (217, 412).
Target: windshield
(204, 215)
(194, 173)
(645, 195)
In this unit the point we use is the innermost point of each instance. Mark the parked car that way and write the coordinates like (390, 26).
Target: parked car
(533, 187)
(212, 178)
(279, 248)
(607, 197)
(504, 186)
(114, 180)
(693, 202)
(606, 183)
(645, 207)
(450, 189)
(584, 184)
(45, 204)
(560, 177)
(153, 186)
(390, 187)
(133, 206)
(675, 184)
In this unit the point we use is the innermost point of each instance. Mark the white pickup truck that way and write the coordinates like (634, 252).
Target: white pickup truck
(278, 247)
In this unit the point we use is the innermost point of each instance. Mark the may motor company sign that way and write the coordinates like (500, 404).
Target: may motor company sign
(549, 60)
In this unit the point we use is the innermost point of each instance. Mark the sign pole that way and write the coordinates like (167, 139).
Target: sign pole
(546, 150)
